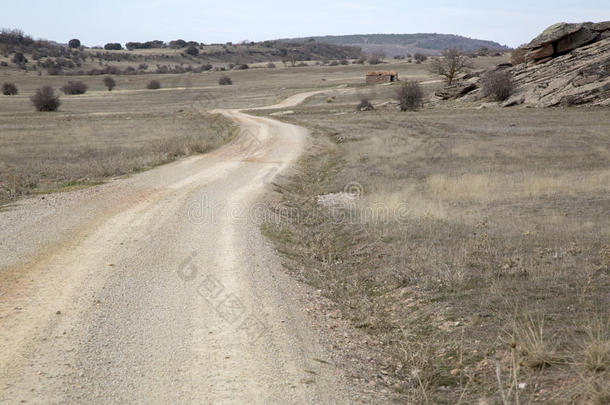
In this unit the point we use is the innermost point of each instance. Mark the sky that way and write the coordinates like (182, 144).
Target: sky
(509, 22)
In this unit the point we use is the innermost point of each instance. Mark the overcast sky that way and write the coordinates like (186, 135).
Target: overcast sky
(510, 22)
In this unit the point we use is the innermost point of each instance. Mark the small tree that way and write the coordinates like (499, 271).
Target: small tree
(225, 81)
(497, 84)
(193, 51)
(153, 85)
(113, 46)
(109, 83)
(19, 59)
(410, 96)
(45, 99)
(74, 88)
(9, 89)
(450, 64)
(74, 43)
(376, 59)
(420, 57)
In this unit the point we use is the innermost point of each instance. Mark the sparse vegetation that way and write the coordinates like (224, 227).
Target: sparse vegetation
(9, 89)
(498, 84)
(74, 88)
(270, 65)
(452, 63)
(109, 83)
(225, 81)
(45, 99)
(450, 257)
(410, 96)
(153, 85)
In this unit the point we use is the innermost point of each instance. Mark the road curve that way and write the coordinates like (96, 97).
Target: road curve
(159, 288)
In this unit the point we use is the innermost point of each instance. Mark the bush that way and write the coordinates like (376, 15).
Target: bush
(241, 66)
(109, 83)
(153, 85)
(9, 89)
(74, 88)
(142, 66)
(497, 84)
(225, 81)
(113, 46)
(74, 43)
(193, 51)
(45, 99)
(420, 57)
(344, 62)
(271, 65)
(410, 96)
(375, 60)
(19, 59)
(517, 56)
(365, 105)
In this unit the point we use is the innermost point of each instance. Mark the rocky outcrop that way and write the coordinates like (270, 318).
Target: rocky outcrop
(456, 90)
(579, 77)
(562, 38)
(569, 65)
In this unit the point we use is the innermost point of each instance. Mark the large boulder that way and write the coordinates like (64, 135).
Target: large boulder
(563, 38)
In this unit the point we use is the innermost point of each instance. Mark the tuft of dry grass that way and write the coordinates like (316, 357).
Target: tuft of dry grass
(596, 345)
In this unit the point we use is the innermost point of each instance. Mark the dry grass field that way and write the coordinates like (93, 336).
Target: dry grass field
(477, 250)
(102, 134)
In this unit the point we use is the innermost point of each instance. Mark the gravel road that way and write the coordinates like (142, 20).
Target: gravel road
(159, 288)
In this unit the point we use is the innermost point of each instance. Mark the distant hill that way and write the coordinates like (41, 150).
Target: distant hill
(401, 44)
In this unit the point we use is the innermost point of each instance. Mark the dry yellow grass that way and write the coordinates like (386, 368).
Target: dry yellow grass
(501, 214)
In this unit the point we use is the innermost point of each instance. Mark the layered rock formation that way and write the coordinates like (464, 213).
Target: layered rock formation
(568, 64)
(562, 38)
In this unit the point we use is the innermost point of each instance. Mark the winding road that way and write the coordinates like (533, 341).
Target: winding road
(159, 288)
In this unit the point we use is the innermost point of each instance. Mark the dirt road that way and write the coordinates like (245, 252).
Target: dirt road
(159, 288)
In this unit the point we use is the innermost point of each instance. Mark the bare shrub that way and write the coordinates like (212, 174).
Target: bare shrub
(497, 84)
(109, 83)
(420, 57)
(450, 64)
(153, 85)
(9, 89)
(365, 105)
(45, 99)
(517, 56)
(375, 59)
(410, 96)
(73, 88)
(344, 62)
(271, 65)
(241, 66)
(225, 81)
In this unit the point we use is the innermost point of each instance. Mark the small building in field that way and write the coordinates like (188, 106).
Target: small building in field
(388, 76)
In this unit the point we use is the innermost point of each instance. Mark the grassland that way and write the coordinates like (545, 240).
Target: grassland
(477, 251)
(102, 134)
